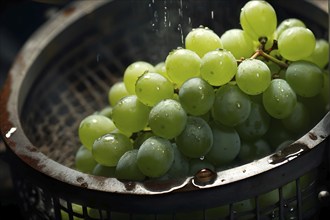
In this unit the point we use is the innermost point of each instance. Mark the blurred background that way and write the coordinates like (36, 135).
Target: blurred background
(18, 20)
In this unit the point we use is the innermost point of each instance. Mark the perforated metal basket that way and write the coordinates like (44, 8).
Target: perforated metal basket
(63, 74)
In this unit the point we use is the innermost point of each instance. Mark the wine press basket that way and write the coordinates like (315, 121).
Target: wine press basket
(63, 74)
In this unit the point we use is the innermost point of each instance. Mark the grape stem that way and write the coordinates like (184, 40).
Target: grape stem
(260, 52)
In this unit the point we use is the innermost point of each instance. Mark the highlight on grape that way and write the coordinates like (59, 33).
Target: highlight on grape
(221, 100)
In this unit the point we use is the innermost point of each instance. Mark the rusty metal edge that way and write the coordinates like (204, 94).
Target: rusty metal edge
(15, 139)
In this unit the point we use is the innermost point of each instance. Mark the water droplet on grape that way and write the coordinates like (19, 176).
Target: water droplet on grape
(109, 138)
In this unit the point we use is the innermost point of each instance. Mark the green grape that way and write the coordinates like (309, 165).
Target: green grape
(182, 64)
(218, 67)
(325, 92)
(130, 115)
(231, 106)
(320, 55)
(127, 134)
(98, 214)
(76, 209)
(116, 92)
(196, 139)
(93, 127)
(256, 125)
(196, 96)
(141, 137)
(305, 78)
(308, 178)
(217, 212)
(197, 164)
(288, 23)
(151, 88)
(258, 19)
(254, 150)
(277, 134)
(275, 69)
(226, 145)
(176, 97)
(207, 116)
(202, 40)
(284, 144)
(155, 156)
(279, 99)
(180, 166)
(296, 43)
(84, 160)
(270, 198)
(105, 171)
(238, 43)
(268, 45)
(244, 206)
(133, 72)
(253, 76)
(298, 121)
(317, 107)
(256, 98)
(265, 44)
(167, 119)
(127, 167)
(108, 149)
(161, 69)
(106, 111)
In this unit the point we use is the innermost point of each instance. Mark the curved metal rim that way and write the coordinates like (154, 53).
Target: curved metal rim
(15, 139)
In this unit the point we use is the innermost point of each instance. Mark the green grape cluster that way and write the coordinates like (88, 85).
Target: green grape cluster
(218, 101)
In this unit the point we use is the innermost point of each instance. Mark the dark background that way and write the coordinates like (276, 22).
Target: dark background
(18, 20)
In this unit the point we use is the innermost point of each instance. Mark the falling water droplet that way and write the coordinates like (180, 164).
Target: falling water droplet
(212, 15)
